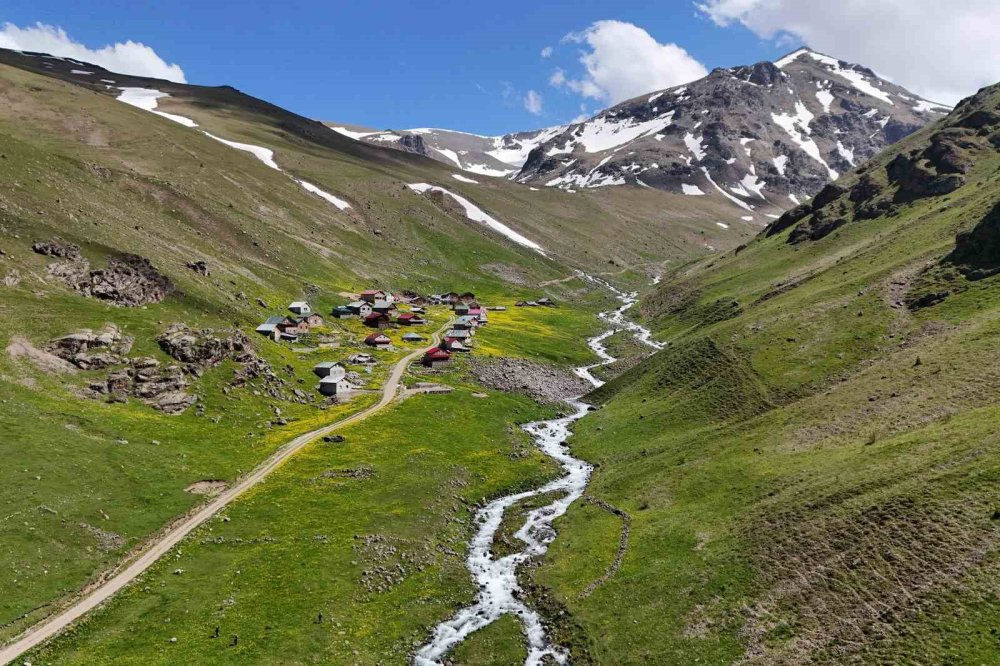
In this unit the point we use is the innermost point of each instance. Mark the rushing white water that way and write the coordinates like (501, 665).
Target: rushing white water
(499, 593)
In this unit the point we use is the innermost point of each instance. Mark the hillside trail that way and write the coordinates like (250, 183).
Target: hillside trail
(499, 592)
(161, 545)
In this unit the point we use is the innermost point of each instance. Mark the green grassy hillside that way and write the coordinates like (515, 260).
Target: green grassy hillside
(811, 466)
(86, 479)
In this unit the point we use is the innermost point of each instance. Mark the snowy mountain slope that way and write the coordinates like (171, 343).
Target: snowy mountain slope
(485, 155)
(764, 136)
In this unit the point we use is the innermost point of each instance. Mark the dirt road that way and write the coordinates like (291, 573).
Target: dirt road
(92, 598)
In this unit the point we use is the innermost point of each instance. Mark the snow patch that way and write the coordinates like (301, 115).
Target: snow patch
(738, 202)
(336, 201)
(852, 76)
(147, 99)
(780, 162)
(461, 178)
(691, 190)
(351, 134)
(476, 214)
(796, 125)
(724, 225)
(846, 153)
(693, 144)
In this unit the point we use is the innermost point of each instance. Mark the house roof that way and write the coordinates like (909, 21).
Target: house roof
(371, 292)
(406, 315)
(377, 337)
(276, 319)
(437, 353)
(298, 304)
(377, 315)
(326, 364)
(413, 336)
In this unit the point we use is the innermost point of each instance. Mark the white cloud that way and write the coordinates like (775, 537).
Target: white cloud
(124, 58)
(533, 102)
(621, 60)
(940, 50)
(547, 52)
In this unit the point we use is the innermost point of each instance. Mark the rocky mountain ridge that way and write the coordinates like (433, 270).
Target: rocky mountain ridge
(764, 136)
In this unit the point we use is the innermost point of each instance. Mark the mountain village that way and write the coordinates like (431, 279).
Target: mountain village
(385, 312)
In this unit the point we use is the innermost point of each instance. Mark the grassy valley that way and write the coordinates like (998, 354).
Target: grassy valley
(810, 466)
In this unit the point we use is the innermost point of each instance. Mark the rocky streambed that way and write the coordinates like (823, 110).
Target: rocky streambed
(496, 577)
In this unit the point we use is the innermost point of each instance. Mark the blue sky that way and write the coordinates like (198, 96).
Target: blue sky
(471, 65)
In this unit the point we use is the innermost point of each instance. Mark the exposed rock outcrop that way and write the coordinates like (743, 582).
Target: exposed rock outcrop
(128, 280)
(544, 383)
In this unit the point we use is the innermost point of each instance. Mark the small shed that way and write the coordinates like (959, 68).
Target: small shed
(341, 312)
(300, 308)
(361, 359)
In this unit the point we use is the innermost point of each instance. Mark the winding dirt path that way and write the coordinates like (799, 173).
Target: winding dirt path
(154, 550)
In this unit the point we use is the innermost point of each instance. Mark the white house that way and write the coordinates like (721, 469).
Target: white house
(329, 369)
(300, 308)
(332, 385)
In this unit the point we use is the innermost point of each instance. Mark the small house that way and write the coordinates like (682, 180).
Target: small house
(270, 327)
(285, 336)
(300, 308)
(413, 337)
(329, 369)
(460, 309)
(499, 308)
(378, 341)
(333, 385)
(341, 312)
(547, 302)
(296, 325)
(435, 357)
(409, 318)
(459, 334)
(360, 308)
(464, 324)
(373, 295)
(377, 320)
(383, 305)
(446, 298)
(314, 319)
(416, 309)
(454, 345)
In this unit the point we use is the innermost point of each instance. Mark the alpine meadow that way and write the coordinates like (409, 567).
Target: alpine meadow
(673, 363)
